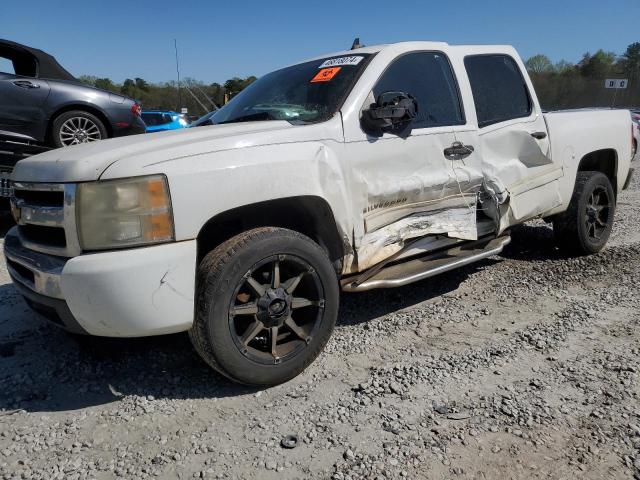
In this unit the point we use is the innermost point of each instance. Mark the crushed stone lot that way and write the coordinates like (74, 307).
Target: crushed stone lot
(523, 366)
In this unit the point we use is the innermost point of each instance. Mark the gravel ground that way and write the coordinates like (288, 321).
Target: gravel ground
(523, 366)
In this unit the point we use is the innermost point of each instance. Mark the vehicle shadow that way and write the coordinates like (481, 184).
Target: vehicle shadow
(365, 306)
(43, 369)
(532, 242)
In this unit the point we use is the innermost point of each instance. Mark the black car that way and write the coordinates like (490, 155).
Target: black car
(42, 103)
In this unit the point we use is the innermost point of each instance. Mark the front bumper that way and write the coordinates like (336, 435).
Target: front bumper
(125, 293)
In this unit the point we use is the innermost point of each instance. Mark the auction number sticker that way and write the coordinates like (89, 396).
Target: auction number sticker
(325, 75)
(340, 61)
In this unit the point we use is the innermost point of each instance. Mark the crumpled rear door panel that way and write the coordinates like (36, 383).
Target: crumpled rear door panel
(519, 171)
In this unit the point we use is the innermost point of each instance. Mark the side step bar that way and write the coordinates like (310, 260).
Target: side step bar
(427, 266)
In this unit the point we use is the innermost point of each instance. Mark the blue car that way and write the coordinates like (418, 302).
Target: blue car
(162, 120)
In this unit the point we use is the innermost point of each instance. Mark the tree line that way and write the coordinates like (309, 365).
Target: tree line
(198, 97)
(558, 85)
(566, 85)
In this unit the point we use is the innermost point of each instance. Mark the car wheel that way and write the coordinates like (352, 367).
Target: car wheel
(586, 225)
(267, 302)
(75, 127)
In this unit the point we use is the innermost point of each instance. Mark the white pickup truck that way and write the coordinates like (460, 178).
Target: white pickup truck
(363, 169)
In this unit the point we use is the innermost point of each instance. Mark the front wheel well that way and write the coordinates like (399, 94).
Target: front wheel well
(310, 215)
(83, 108)
(604, 161)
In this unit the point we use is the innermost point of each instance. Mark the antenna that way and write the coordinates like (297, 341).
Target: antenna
(175, 45)
(356, 44)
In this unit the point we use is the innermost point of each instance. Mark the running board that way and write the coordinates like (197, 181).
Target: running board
(428, 266)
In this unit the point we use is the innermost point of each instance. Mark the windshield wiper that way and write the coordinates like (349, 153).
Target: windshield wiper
(252, 117)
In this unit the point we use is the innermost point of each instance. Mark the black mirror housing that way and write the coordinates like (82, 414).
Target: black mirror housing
(393, 111)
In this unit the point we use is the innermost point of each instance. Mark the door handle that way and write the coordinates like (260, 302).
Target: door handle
(539, 135)
(458, 151)
(25, 84)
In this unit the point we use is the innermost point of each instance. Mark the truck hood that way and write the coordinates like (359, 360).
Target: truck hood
(89, 161)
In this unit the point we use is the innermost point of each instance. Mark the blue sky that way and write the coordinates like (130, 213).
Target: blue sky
(218, 40)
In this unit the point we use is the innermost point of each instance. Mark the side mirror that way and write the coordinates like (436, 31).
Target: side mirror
(392, 111)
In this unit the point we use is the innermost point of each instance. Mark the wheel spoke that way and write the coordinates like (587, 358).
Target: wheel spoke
(291, 284)
(252, 330)
(595, 233)
(246, 309)
(260, 317)
(275, 274)
(298, 302)
(274, 341)
(256, 286)
(290, 322)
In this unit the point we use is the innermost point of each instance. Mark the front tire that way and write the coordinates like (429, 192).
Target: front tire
(75, 127)
(586, 225)
(267, 302)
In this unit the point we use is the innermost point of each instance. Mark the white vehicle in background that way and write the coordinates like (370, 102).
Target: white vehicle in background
(362, 169)
(635, 119)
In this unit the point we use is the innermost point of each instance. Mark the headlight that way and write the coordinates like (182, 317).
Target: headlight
(124, 213)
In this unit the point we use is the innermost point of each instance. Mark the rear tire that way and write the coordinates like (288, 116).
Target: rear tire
(586, 225)
(258, 323)
(76, 127)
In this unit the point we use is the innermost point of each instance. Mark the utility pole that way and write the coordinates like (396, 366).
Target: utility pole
(175, 45)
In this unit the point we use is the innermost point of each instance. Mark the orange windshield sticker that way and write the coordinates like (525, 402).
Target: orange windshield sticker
(326, 74)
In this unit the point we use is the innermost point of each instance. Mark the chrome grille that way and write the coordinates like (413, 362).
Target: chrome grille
(46, 217)
(6, 190)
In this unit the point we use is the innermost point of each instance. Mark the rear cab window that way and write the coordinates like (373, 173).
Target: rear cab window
(499, 89)
(6, 66)
(429, 78)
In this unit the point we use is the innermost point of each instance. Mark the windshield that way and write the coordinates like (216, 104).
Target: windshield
(307, 92)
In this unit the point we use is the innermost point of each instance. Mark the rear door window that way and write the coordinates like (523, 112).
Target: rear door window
(6, 66)
(499, 90)
(429, 78)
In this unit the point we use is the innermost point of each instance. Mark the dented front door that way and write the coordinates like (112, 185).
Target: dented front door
(420, 181)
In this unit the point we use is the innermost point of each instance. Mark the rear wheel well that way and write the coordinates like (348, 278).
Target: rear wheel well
(83, 108)
(312, 216)
(604, 161)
